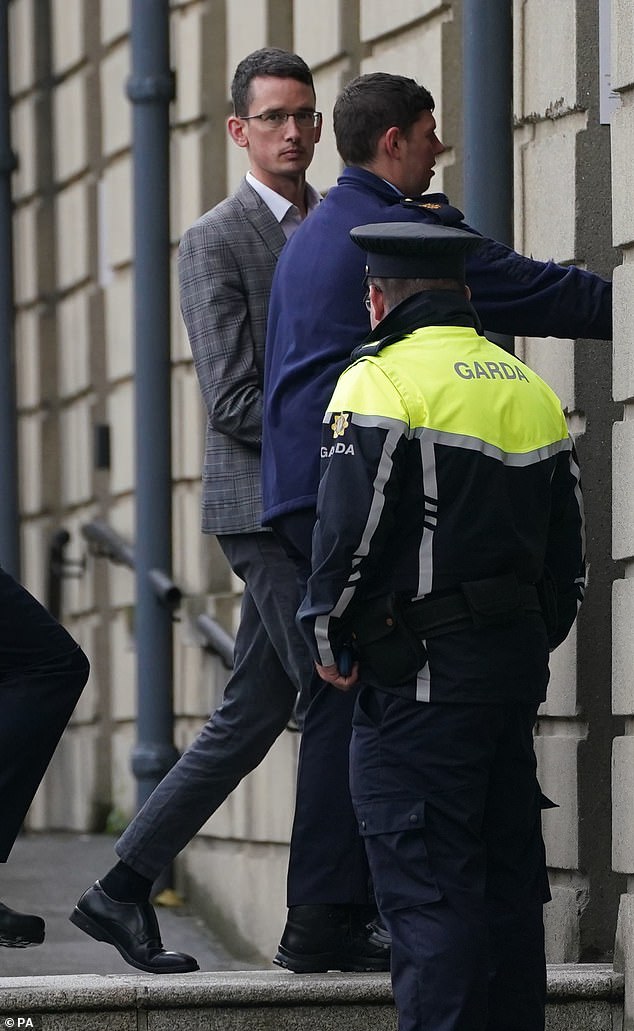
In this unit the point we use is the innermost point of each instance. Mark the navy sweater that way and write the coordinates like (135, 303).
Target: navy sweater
(317, 317)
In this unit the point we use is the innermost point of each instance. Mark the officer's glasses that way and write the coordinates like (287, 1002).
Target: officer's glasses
(278, 119)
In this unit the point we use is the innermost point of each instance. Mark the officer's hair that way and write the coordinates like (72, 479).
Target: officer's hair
(268, 61)
(396, 290)
(370, 105)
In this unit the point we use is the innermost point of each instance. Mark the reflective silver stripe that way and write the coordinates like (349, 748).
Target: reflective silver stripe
(516, 459)
(576, 473)
(384, 470)
(380, 422)
(322, 626)
(430, 492)
(423, 684)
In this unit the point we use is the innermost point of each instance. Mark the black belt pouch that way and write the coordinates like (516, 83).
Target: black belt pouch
(386, 644)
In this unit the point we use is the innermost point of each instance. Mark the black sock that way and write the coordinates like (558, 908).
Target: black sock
(123, 884)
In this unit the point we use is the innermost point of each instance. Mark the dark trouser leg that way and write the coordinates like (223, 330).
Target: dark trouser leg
(424, 780)
(327, 862)
(517, 883)
(42, 674)
(270, 662)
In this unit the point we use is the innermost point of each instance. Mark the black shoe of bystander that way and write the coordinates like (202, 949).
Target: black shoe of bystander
(320, 938)
(20, 930)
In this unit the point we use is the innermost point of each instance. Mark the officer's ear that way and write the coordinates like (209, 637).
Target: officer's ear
(378, 309)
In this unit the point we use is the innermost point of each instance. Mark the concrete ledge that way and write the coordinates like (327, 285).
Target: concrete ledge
(580, 998)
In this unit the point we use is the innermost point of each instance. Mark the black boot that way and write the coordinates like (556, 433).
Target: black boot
(320, 938)
(20, 930)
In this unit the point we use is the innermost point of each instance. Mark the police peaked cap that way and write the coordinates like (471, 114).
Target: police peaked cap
(415, 250)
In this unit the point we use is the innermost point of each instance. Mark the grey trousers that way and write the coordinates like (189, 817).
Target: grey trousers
(271, 664)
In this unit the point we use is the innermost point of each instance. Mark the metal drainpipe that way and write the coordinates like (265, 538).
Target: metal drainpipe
(9, 506)
(150, 88)
(488, 119)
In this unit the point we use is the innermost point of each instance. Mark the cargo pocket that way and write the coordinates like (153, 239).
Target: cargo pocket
(394, 834)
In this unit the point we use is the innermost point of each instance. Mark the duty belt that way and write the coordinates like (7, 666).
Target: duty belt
(482, 603)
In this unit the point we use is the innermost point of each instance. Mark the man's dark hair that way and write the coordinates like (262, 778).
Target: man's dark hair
(370, 105)
(268, 61)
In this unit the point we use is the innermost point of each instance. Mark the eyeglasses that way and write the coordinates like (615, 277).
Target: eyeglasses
(276, 119)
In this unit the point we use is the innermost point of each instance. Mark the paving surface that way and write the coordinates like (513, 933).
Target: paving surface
(46, 874)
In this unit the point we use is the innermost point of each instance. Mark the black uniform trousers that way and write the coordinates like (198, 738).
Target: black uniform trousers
(448, 802)
(42, 674)
(327, 860)
(271, 664)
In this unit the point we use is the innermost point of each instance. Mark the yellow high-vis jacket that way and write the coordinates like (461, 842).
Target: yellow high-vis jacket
(445, 460)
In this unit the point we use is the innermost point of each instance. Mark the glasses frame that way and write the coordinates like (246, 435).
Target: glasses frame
(266, 119)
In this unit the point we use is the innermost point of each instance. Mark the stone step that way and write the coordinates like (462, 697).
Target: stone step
(580, 998)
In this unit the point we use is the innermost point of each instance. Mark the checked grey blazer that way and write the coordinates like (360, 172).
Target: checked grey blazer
(226, 262)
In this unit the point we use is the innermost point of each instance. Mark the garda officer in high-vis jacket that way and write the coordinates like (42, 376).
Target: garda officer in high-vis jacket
(448, 559)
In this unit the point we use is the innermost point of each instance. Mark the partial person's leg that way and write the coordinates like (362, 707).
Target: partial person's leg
(327, 861)
(419, 777)
(517, 881)
(42, 674)
(256, 706)
(255, 709)
(328, 890)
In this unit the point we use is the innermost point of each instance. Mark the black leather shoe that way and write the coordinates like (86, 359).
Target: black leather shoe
(132, 929)
(19, 930)
(320, 938)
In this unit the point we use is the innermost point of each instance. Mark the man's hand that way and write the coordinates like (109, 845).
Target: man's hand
(332, 676)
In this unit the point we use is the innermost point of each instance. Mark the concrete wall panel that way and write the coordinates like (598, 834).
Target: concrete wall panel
(72, 234)
(622, 137)
(121, 420)
(75, 443)
(75, 345)
(622, 51)
(549, 231)
(623, 345)
(116, 216)
(114, 19)
(116, 109)
(70, 146)
(548, 70)
(378, 19)
(317, 30)
(623, 489)
(623, 804)
(557, 770)
(24, 242)
(22, 36)
(623, 647)
(188, 51)
(67, 21)
(119, 319)
(23, 143)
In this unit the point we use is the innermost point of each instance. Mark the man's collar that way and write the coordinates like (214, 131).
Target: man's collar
(278, 205)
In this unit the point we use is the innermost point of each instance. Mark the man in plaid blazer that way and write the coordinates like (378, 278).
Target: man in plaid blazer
(226, 264)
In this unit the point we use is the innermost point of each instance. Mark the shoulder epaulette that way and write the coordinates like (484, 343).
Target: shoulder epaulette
(436, 206)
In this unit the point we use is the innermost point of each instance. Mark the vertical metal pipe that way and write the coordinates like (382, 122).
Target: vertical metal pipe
(9, 505)
(488, 116)
(151, 89)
